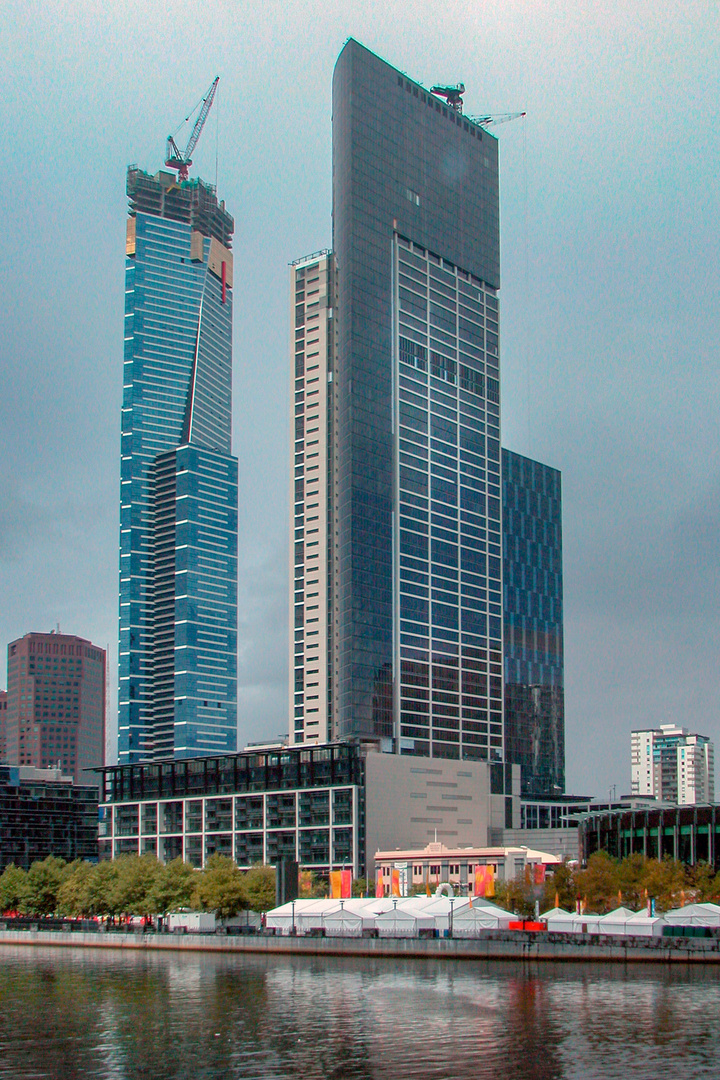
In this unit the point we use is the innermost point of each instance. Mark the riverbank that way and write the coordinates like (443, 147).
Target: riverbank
(493, 945)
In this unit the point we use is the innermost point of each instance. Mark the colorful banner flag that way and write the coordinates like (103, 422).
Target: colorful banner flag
(395, 889)
(336, 884)
(539, 873)
(490, 879)
(484, 880)
(379, 887)
(345, 884)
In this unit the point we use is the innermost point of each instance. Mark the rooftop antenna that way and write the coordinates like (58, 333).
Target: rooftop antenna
(181, 160)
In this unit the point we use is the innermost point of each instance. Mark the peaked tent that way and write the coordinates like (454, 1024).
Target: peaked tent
(615, 921)
(476, 917)
(694, 915)
(644, 925)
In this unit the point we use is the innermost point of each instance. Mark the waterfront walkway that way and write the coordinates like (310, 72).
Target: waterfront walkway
(492, 945)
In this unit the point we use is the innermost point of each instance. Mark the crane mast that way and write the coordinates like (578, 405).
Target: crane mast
(182, 160)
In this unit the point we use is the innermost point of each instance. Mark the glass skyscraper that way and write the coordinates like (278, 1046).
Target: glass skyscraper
(533, 623)
(412, 601)
(178, 501)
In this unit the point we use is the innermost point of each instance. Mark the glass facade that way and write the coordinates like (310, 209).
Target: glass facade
(178, 504)
(533, 623)
(305, 804)
(447, 535)
(416, 607)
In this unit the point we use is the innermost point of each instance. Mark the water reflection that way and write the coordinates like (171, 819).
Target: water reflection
(67, 1014)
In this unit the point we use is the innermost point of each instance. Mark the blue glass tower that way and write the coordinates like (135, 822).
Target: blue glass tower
(533, 623)
(415, 497)
(178, 501)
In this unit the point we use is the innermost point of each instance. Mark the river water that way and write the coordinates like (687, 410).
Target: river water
(147, 1016)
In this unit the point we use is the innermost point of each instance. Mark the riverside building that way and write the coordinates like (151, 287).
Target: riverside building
(326, 807)
(178, 501)
(397, 559)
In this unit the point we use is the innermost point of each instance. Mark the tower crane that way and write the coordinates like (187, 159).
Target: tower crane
(452, 94)
(174, 158)
(498, 118)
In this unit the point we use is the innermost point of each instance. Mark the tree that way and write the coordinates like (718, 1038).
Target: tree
(704, 883)
(599, 883)
(102, 889)
(220, 888)
(73, 897)
(258, 884)
(173, 887)
(12, 887)
(42, 883)
(518, 895)
(632, 874)
(666, 882)
(133, 885)
(560, 883)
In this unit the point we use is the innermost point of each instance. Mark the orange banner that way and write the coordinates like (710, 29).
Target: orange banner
(379, 887)
(539, 873)
(336, 884)
(395, 891)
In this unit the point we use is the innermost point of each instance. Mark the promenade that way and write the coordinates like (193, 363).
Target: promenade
(493, 945)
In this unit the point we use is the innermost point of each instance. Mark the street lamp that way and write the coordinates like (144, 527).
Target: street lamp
(450, 926)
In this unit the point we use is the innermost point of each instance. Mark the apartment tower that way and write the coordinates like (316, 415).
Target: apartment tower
(178, 502)
(673, 765)
(409, 612)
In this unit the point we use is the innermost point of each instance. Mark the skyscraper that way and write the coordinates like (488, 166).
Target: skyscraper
(56, 704)
(178, 501)
(533, 623)
(412, 603)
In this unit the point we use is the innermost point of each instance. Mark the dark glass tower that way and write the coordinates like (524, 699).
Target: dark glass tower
(533, 615)
(415, 485)
(178, 501)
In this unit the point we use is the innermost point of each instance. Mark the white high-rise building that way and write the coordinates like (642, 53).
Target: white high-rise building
(673, 765)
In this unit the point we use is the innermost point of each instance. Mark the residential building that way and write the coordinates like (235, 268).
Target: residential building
(326, 807)
(409, 607)
(533, 623)
(178, 502)
(56, 704)
(312, 294)
(671, 764)
(43, 813)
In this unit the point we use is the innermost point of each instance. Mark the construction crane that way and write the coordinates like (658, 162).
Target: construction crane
(174, 159)
(498, 118)
(452, 94)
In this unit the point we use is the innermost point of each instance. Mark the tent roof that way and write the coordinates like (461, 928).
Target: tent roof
(555, 913)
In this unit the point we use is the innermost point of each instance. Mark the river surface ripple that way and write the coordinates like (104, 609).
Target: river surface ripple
(72, 1013)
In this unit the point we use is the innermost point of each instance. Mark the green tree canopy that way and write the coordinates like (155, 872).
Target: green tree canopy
(258, 884)
(173, 887)
(12, 887)
(42, 884)
(220, 887)
(131, 891)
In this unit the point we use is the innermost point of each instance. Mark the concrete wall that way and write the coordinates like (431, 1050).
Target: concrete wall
(565, 843)
(409, 798)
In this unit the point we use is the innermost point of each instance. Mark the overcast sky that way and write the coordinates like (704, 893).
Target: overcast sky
(610, 207)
